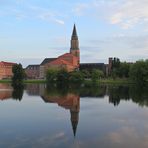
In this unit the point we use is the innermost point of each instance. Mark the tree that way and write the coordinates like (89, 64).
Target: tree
(96, 74)
(18, 74)
(123, 71)
(115, 63)
(76, 77)
(139, 72)
(51, 75)
(62, 77)
(86, 73)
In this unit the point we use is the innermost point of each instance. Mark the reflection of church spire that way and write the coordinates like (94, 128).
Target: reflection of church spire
(74, 111)
(74, 121)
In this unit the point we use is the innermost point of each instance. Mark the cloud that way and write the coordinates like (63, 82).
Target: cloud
(125, 13)
(47, 15)
(129, 13)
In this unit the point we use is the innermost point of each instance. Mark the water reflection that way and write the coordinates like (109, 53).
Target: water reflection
(97, 114)
(5, 91)
(116, 93)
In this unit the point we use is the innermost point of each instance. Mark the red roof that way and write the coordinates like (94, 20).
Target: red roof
(66, 55)
(60, 62)
(7, 63)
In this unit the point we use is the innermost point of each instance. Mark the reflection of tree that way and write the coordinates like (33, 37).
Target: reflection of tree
(18, 90)
(136, 93)
(93, 91)
(116, 93)
(139, 95)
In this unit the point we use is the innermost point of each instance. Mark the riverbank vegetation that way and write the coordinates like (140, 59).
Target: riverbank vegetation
(121, 73)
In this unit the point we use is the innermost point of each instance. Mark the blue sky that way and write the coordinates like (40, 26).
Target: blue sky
(31, 30)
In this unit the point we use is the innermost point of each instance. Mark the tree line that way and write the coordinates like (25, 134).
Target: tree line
(137, 72)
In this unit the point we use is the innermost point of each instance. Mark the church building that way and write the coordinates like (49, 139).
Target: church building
(69, 61)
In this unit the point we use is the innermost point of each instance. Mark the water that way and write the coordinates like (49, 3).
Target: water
(103, 116)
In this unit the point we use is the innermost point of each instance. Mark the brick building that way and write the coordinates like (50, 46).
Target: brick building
(6, 70)
(32, 71)
(69, 61)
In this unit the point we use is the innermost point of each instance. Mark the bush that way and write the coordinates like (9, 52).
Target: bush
(96, 74)
(76, 77)
(51, 75)
(62, 77)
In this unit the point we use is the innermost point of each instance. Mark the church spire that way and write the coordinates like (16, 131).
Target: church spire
(74, 33)
(74, 49)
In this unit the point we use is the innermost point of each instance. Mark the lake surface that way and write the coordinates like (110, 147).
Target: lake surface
(93, 117)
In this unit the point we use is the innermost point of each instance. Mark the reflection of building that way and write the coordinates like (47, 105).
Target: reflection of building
(71, 102)
(5, 91)
(6, 70)
(69, 61)
(35, 89)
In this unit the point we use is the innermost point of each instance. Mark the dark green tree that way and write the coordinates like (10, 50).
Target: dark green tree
(123, 70)
(96, 74)
(139, 72)
(62, 78)
(86, 73)
(18, 74)
(76, 78)
(51, 75)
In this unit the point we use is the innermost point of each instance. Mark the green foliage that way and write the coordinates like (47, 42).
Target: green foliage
(115, 63)
(139, 72)
(86, 74)
(119, 69)
(18, 74)
(51, 75)
(96, 74)
(62, 77)
(76, 77)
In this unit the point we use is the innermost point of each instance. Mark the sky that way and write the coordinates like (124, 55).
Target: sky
(31, 30)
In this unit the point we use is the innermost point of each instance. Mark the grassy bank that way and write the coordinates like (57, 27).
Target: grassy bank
(25, 81)
(5, 81)
(116, 81)
(34, 81)
(102, 81)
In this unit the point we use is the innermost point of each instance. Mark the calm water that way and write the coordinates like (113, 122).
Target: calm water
(100, 117)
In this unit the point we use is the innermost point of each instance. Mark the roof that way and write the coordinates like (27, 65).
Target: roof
(92, 64)
(60, 62)
(67, 55)
(32, 66)
(47, 60)
(7, 63)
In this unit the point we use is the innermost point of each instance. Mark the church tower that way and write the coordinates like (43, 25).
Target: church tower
(74, 49)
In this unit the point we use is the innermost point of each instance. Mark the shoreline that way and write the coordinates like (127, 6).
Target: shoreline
(103, 81)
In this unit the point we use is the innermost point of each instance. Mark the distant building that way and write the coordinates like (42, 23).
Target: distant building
(32, 71)
(91, 66)
(69, 61)
(6, 70)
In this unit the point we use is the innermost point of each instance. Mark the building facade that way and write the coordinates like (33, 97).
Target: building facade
(32, 71)
(69, 61)
(6, 70)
